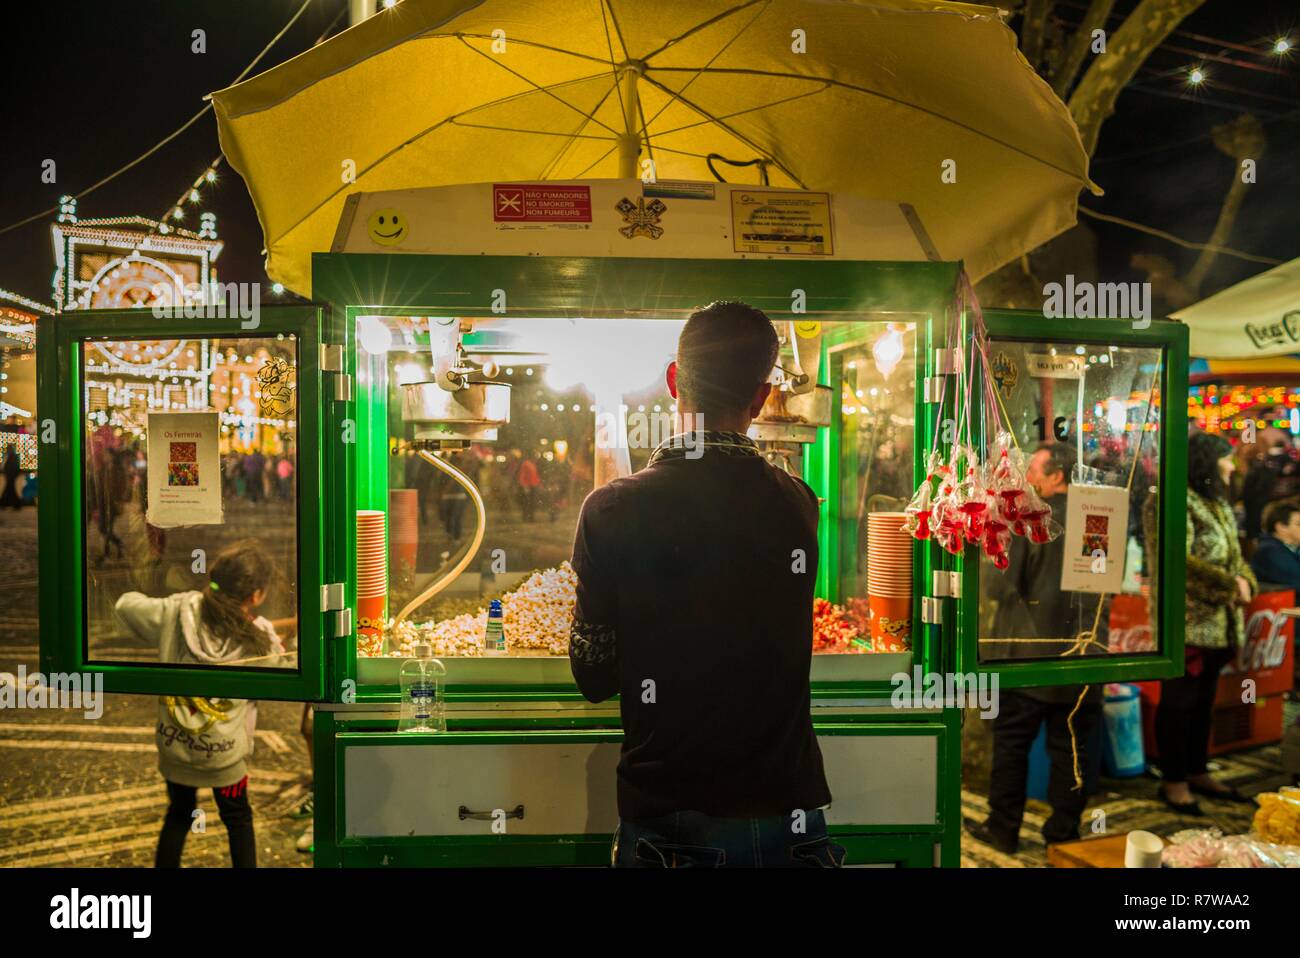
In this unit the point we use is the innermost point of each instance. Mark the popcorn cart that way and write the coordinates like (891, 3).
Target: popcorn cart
(413, 449)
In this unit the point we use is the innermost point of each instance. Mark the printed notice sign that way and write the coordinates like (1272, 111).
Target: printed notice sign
(538, 206)
(772, 221)
(1047, 366)
(184, 469)
(1096, 539)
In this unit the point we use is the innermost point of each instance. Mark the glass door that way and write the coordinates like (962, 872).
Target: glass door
(1097, 415)
(180, 530)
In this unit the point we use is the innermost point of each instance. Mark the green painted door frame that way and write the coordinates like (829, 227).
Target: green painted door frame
(1167, 662)
(63, 515)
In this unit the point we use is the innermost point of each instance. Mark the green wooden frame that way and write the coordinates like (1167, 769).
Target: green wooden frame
(903, 845)
(61, 527)
(355, 284)
(1031, 326)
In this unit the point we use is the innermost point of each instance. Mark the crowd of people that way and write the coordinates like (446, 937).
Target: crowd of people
(257, 477)
(1243, 537)
(527, 484)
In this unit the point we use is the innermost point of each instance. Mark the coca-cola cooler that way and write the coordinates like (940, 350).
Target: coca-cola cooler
(1248, 706)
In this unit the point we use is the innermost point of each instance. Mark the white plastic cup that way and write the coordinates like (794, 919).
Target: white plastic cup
(1142, 850)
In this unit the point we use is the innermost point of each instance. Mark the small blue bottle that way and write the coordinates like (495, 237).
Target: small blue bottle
(494, 639)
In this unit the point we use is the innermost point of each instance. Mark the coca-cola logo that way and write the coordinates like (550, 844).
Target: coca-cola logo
(1265, 645)
(1134, 639)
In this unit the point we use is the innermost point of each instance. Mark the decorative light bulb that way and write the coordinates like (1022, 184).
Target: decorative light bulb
(888, 350)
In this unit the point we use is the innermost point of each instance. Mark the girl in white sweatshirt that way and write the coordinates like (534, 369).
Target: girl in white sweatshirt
(202, 742)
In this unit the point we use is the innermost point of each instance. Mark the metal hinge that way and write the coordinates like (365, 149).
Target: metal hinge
(332, 600)
(947, 361)
(333, 597)
(932, 389)
(946, 583)
(342, 623)
(931, 610)
(331, 361)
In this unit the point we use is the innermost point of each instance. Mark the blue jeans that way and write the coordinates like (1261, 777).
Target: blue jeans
(695, 840)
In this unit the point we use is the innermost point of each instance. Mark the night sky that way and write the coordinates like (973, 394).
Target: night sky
(92, 85)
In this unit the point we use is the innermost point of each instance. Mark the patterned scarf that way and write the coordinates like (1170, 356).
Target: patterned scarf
(725, 443)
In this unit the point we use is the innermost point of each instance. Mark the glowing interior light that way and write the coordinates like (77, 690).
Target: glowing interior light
(888, 350)
(408, 373)
(277, 288)
(1282, 46)
(374, 335)
(1196, 76)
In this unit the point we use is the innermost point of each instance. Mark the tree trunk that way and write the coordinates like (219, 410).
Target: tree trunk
(1094, 19)
(1241, 139)
(1143, 30)
(1033, 29)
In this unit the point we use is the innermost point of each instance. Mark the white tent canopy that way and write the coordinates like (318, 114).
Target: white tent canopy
(1258, 317)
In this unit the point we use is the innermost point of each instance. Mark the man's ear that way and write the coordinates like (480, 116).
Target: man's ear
(760, 397)
(670, 377)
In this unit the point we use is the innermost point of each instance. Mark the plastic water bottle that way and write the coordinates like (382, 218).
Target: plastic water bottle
(422, 678)
(494, 639)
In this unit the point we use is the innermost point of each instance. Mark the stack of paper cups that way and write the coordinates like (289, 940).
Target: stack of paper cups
(372, 570)
(403, 529)
(889, 582)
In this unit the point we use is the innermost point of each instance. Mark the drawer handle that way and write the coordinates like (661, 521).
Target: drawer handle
(464, 813)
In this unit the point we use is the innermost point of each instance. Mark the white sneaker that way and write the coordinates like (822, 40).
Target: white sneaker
(307, 840)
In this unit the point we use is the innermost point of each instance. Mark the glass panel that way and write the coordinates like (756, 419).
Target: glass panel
(875, 416)
(190, 497)
(1086, 417)
(559, 407)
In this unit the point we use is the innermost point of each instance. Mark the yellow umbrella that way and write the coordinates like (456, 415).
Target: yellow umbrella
(917, 102)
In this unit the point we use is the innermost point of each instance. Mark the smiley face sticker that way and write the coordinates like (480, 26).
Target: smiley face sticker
(387, 227)
(807, 330)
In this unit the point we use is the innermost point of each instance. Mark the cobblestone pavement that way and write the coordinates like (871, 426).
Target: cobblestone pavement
(88, 793)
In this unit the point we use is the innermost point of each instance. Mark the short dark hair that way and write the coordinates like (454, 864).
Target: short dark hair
(1204, 450)
(1061, 457)
(1279, 514)
(726, 351)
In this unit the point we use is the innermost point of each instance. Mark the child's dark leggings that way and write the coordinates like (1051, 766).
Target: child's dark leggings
(236, 814)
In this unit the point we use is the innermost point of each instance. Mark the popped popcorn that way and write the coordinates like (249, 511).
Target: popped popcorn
(538, 617)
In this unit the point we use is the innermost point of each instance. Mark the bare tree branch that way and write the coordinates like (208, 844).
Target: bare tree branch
(1143, 30)
(1093, 19)
(1033, 29)
(1242, 139)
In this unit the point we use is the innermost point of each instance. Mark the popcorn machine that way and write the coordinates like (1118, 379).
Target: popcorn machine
(465, 378)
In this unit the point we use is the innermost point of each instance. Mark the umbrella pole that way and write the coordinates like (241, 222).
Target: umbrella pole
(629, 144)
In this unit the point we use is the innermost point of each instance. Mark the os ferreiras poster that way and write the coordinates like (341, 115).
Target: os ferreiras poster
(184, 469)
(1096, 537)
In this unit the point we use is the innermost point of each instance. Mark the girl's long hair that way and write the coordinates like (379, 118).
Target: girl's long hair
(237, 572)
(1204, 450)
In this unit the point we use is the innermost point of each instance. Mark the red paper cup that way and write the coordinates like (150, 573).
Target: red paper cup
(370, 614)
(891, 623)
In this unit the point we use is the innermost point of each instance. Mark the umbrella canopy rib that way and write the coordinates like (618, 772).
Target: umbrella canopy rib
(538, 87)
(881, 96)
(720, 51)
(704, 25)
(734, 132)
